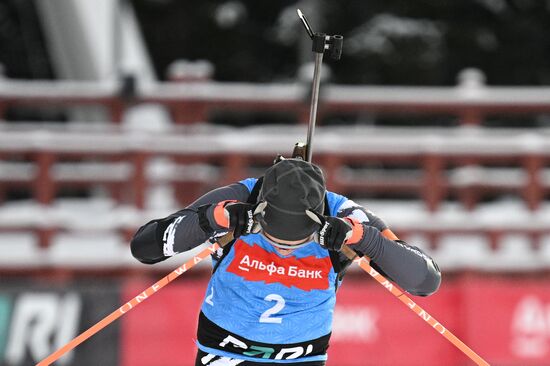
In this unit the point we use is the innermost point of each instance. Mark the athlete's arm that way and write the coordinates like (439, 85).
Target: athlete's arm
(162, 238)
(408, 266)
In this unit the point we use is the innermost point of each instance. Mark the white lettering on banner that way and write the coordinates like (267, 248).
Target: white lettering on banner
(531, 328)
(156, 286)
(293, 271)
(355, 322)
(440, 328)
(180, 270)
(246, 260)
(373, 272)
(387, 284)
(42, 323)
(141, 297)
(424, 315)
(128, 304)
(271, 268)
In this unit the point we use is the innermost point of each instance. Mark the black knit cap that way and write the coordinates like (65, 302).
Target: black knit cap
(290, 187)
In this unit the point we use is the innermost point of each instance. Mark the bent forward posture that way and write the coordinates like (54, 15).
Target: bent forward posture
(272, 293)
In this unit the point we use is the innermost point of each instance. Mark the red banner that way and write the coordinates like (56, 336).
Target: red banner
(254, 263)
(372, 327)
(506, 322)
(509, 320)
(162, 330)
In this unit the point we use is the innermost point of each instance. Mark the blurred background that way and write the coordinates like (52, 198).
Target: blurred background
(115, 112)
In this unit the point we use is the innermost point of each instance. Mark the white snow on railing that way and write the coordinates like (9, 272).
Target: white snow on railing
(273, 139)
(456, 96)
(89, 229)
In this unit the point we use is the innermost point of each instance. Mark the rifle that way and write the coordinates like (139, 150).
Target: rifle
(320, 44)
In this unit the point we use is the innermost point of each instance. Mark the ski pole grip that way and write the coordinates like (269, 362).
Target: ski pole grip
(319, 41)
(348, 252)
(300, 151)
(336, 48)
(226, 239)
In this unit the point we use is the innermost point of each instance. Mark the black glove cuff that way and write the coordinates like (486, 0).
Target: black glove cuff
(204, 223)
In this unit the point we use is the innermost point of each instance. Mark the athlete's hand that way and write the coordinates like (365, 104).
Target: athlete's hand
(238, 216)
(334, 232)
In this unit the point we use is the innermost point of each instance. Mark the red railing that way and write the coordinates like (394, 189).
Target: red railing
(467, 164)
(430, 165)
(192, 102)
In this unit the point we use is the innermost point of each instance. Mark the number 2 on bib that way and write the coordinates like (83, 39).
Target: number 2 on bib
(266, 316)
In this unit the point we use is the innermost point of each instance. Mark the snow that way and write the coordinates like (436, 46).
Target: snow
(11, 171)
(91, 238)
(97, 250)
(462, 252)
(273, 139)
(495, 6)
(378, 36)
(514, 252)
(63, 89)
(165, 170)
(146, 117)
(544, 252)
(229, 14)
(90, 229)
(19, 251)
(92, 171)
(473, 174)
(292, 93)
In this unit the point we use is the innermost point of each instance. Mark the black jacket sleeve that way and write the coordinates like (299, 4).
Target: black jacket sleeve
(162, 238)
(406, 265)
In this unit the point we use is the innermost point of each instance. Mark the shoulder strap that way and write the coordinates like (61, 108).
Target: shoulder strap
(339, 263)
(334, 256)
(252, 198)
